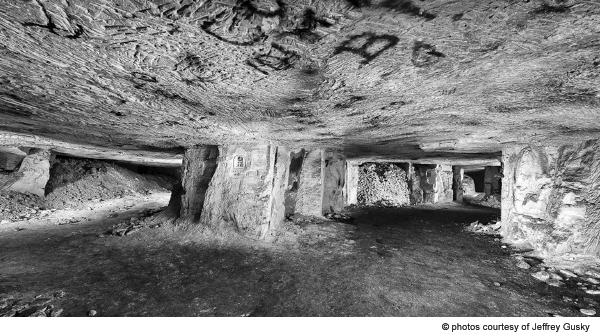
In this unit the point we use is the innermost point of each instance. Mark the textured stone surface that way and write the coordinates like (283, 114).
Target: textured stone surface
(309, 199)
(469, 185)
(33, 173)
(246, 196)
(383, 184)
(551, 198)
(457, 183)
(199, 165)
(334, 182)
(379, 77)
(352, 180)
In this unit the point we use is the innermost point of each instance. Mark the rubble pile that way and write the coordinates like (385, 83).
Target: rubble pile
(134, 224)
(76, 181)
(382, 184)
(491, 228)
(16, 207)
(492, 201)
(339, 217)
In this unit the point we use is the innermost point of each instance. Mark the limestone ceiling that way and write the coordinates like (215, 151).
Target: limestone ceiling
(373, 77)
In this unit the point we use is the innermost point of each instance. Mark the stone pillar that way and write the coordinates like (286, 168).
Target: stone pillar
(414, 184)
(428, 179)
(551, 198)
(491, 180)
(246, 193)
(334, 181)
(280, 178)
(309, 198)
(444, 184)
(33, 174)
(188, 195)
(457, 185)
(352, 182)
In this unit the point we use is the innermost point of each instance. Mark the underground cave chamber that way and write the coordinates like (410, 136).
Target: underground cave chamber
(548, 195)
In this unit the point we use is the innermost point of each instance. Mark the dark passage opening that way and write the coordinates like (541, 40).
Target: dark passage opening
(296, 161)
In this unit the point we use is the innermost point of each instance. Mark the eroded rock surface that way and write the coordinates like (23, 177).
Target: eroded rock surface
(379, 77)
(551, 198)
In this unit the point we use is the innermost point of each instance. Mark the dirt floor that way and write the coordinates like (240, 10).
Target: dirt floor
(415, 261)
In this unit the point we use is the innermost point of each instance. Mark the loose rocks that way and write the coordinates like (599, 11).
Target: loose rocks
(522, 264)
(541, 275)
(588, 312)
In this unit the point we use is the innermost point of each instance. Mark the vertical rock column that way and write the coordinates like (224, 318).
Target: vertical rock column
(457, 185)
(414, 184)
(187, 198)
(443, 186)
(309, 198)
(334, 181)
(34, 173)
(246, 193)
(352, 175)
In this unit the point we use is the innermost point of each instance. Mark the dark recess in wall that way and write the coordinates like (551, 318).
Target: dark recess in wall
(479, 177)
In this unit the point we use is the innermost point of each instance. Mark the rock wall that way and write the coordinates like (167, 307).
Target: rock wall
(241, 196)
(334, 181)
(382, 184)
(551, 198)
(33, 173)
(309, 200)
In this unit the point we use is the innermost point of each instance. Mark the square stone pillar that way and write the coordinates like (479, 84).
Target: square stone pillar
(457, 185)
(352, 182)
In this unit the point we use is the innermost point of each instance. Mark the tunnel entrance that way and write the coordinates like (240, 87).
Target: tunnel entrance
(395, 184)
(481, 185)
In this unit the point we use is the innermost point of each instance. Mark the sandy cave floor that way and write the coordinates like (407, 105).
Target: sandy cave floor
(415, 261)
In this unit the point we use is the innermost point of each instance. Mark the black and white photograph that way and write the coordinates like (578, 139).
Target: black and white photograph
(302, 158)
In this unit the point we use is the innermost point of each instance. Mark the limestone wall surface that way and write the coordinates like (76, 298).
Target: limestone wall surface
(246, 193)
(551, 198)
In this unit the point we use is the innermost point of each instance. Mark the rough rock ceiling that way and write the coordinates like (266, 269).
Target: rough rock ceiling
(374, 77)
